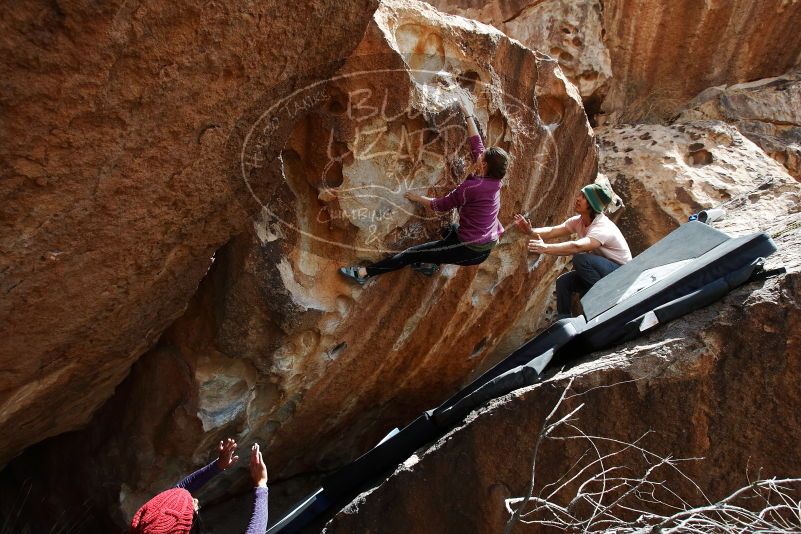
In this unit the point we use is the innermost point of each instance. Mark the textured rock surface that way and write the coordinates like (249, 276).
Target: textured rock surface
(124, 136)
(646, 59)
(571, 32)
(766, 111)
(119, 184)
(666, 173)
(664, 53)
(719, 384)
(276, 347)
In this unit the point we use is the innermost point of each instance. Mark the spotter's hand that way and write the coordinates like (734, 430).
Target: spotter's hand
(538, 245)
(522, 224)
(225, 454)
(258, 470)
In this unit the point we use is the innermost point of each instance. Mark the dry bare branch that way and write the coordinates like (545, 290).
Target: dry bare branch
(613, 496)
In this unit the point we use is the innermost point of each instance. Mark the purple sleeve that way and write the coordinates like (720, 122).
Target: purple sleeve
(195, 481)
(476, 146)
(455, 198)
(258, 521)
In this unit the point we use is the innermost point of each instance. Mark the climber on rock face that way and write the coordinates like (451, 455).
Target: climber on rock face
(175, 511)
(478, 199)
(599, 249)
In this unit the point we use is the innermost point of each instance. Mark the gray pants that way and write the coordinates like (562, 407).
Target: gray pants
(587, 270)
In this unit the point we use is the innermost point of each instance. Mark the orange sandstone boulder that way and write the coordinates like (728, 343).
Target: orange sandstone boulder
(119, 148)
(276, 346)
(718, 386)
(639, 60)
(765, 111)
(664, 174)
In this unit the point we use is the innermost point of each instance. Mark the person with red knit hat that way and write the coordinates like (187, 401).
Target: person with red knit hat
(175, 511)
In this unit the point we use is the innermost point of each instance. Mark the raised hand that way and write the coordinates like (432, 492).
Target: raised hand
(464, 105)
(225, 454)
(258, 470)
(522, 223)
(537, 245)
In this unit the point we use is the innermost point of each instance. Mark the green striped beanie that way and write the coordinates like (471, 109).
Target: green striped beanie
(598, 196)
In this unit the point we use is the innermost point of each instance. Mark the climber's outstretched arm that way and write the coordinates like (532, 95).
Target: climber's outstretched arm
(476, 144)
(472, 130)
(226, 456)
(418, 199)
(568, 248)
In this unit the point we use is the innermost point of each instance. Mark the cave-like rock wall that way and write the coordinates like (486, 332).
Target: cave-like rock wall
(119, 146)
(276, 346)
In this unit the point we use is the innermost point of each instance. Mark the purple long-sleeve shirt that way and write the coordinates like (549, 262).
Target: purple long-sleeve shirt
(198, 479)
(258, 520)
(478, 199)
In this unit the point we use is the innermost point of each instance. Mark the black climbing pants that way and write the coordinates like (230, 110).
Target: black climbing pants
(447, 250)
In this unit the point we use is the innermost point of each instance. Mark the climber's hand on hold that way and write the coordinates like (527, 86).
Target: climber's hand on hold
(420, 199)
(413, 197)
(225, 454)
(465, 107)
(258, 470)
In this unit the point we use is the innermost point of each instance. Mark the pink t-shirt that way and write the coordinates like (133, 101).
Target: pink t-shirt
(613, 244)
